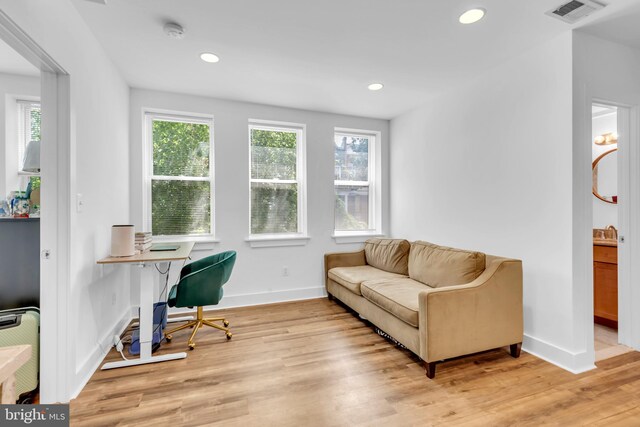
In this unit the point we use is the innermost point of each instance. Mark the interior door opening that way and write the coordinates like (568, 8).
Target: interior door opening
(608, 227)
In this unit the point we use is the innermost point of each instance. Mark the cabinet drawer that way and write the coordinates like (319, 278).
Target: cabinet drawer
(608, 254)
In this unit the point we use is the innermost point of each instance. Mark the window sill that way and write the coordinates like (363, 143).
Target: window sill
(349, 237)
(202, 243)
(274, 241)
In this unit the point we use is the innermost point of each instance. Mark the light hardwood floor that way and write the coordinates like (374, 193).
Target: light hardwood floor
(313, 363)
(606, 343)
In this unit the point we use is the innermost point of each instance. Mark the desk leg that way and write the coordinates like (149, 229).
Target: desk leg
(146, 310)
(147, 284)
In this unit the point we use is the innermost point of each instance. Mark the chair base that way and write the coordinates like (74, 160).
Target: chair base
(198, 322)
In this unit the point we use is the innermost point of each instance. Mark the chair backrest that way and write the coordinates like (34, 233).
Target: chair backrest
(201, 281)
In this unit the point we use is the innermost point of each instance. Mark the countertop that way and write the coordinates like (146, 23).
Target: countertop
(605, 242)
(12, 219)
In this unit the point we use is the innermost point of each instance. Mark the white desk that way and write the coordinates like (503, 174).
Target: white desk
(147, 264)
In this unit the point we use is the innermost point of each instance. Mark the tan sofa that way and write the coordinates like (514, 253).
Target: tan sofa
(438, 302)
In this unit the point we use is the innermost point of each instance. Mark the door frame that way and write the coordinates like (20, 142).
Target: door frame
(55, 158)
(628, 117)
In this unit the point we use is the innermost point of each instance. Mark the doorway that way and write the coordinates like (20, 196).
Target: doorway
(608, 220)
(53, 258)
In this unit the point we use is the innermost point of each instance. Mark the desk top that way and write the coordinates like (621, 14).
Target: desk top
(12, 358)
(179, 254)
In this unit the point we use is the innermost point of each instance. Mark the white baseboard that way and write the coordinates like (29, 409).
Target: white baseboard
(244, 300)
(270, 297)
(574, 362)
(94, 360)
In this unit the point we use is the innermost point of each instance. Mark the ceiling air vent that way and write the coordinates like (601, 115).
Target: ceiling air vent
(575, 10)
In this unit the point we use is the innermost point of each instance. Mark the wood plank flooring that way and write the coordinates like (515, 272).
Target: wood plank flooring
(313, 363)
(606, 343)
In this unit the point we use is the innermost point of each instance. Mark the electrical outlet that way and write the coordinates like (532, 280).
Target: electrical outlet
(285, 271)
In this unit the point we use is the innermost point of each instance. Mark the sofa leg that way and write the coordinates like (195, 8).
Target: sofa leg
(514, 349)
(430, 367)
(330, 297)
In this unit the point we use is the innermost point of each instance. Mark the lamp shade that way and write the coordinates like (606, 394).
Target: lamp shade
(32, 157)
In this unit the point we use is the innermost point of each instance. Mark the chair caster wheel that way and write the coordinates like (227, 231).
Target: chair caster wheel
(225, 323)
(168, 338)
(192, 346)
(229, 335)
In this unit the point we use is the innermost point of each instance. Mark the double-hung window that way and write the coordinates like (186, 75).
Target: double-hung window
(277, 180)
(356, 192)
(28, 126)
(179, 177)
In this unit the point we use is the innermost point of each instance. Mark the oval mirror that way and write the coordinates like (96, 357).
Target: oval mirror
(605, 177)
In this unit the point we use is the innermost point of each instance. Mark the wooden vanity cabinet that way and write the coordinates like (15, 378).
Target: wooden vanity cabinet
(605, 284)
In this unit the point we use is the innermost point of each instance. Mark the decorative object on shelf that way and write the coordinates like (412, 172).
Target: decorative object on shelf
(605, 181)
(32, 158)
(122, 241)
(608, 138)
(19, 205)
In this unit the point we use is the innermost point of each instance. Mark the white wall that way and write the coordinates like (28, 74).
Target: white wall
(487, 166)
(98, 298)
(618, 83)
(258, 277)
(11, 87)
(604, 213)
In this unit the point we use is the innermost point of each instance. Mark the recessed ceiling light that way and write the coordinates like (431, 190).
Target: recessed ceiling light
(209, 57)
(471, 16)
(375, 86)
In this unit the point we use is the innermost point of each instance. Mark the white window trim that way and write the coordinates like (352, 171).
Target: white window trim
(203, 241)
(20, 149)
(283, 239)
(375, 196)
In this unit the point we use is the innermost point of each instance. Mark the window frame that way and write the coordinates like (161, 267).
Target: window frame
(373, 183)
(282, 239)
(20, 128)
(184, 117)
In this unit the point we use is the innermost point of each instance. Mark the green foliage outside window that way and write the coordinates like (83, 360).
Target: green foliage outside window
(274, 205)
(351, 156)
(181, 207)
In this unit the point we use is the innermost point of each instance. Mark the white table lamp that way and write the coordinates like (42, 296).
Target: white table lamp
(32, 157)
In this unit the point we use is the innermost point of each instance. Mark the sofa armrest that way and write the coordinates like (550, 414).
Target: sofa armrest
(343, 259)
(477, 316)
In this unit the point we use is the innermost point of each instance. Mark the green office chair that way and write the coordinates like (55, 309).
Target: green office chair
(201, 284)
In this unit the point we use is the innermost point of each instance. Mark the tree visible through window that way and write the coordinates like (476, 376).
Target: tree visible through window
(275, 182)
(352, 182)
(181, 176)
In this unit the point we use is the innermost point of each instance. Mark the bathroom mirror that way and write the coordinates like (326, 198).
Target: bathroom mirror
(605, 177)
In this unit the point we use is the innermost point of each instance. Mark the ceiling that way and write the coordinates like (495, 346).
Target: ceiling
(13, 63)
(318, 55)
(621, 27)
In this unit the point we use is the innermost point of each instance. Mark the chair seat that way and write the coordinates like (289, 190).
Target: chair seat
(398, 297)
(352, 277)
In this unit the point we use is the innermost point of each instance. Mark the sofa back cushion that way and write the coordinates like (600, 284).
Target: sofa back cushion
(439, 266)
(390, 255)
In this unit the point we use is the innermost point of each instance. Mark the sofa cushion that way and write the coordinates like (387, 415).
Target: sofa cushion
(390, 255)
(352, 277)
(439, 266)
(398, 297)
